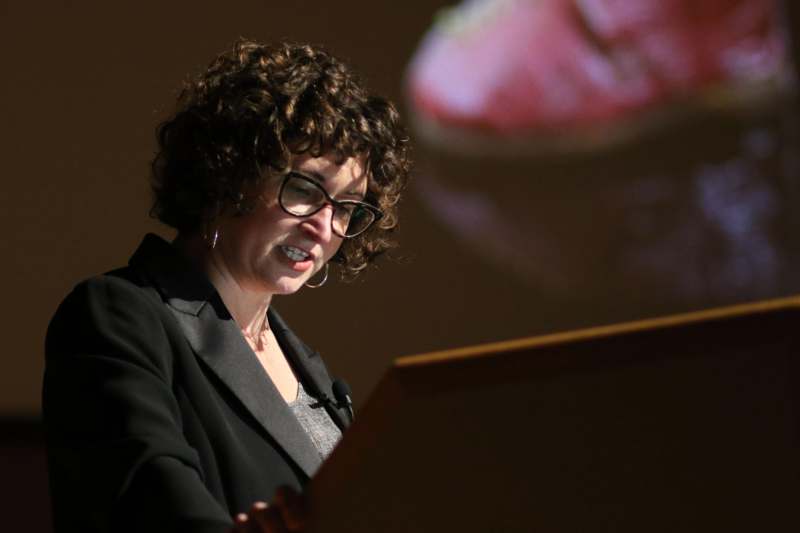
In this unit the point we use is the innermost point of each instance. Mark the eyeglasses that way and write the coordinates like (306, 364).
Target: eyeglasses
(301, 196)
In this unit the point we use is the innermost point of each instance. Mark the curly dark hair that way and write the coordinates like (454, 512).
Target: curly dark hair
(253, 109)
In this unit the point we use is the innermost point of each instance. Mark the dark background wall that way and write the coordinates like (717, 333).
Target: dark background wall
(85, 83)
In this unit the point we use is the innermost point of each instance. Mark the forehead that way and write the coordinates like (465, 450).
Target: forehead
(349, 174)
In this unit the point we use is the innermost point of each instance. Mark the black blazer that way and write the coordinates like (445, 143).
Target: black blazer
(158, 415)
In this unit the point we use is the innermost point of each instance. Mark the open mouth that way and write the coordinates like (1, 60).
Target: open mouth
(295, 254)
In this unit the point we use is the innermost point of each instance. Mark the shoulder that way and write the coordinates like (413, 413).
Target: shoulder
(118, 308)
(115, 294)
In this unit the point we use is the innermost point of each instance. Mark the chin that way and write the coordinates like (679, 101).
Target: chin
(288, 286)
(281, 280)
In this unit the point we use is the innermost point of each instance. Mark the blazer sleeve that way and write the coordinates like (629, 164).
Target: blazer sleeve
(117, 457)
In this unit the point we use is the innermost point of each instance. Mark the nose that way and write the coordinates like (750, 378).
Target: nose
(319, 225)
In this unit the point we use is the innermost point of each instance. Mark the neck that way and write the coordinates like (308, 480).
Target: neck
(247, 307)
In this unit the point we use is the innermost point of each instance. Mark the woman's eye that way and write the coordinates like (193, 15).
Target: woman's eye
(300, 188)
(359, 213)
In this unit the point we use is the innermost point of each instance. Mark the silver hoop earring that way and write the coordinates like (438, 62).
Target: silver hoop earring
(214, 238)
(321, 283)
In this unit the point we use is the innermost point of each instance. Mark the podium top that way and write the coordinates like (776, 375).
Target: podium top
(789, 303)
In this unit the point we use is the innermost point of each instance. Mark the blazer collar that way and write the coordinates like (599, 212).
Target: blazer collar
(217, 341)
(310, 367)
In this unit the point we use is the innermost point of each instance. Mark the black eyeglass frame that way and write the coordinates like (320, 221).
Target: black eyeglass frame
(337, 204)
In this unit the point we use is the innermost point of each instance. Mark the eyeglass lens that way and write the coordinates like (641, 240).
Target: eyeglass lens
(301, 197)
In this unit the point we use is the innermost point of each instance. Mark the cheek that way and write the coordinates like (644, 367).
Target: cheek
(332, 247)
(269, 225)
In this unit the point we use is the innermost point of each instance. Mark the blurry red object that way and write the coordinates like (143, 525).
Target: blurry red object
(518, 75)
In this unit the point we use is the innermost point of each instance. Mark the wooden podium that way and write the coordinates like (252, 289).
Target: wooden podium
(684, 423)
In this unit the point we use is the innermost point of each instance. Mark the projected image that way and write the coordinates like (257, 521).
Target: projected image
(539, 75)
(631, 151)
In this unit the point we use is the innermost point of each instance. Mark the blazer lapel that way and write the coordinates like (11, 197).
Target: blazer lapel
(218, 342)
(215, 338)
(309, 366)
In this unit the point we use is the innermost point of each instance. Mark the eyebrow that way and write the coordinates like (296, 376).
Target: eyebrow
(311, 174)
(321, 179)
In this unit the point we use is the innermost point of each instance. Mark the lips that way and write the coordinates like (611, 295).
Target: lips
(295, 254)
(299, 256)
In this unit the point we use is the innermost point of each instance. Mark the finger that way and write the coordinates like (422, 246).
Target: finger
(241, 524)
(292, 507)
(268, 519)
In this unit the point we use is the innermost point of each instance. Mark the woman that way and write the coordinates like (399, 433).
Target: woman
(175, 397)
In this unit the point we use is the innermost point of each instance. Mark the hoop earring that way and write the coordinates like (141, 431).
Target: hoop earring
(321, 283)
(214, 238)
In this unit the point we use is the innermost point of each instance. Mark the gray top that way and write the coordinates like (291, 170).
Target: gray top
(315, 420)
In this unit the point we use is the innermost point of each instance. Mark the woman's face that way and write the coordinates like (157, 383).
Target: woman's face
(271, 251)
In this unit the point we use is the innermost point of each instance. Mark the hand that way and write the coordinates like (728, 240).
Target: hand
(287, 513)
